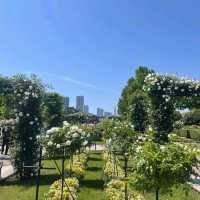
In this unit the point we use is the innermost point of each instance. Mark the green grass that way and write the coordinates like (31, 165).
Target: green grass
(92, 184)
(194, 132)
(91, 187)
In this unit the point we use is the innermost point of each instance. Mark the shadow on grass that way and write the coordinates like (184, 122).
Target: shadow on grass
(93, 169)
(94, 159)
(45, 180)
(95, 184)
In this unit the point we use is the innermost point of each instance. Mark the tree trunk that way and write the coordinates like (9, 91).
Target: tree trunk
(63, 177)
(126, 175)
(157, 193)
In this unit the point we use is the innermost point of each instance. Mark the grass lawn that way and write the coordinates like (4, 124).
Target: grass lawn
(91, 187)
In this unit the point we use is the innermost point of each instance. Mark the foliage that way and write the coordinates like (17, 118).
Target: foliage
(54, 108)
(133, 85)
(70, 190)
(166, 93)
(78, 167)
(160, 167)
(112, 168)
(64, 141)
(194, 132)
(106, 126)
(28, 98)
(77, 170)
(122, 138)
(115, 191)
(80, 118)
(192, 118)
(139, 111)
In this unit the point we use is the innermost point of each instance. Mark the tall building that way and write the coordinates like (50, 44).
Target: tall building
(66, 102)
(86, 109)
(107, 114)
(80, 103)
(100, 112)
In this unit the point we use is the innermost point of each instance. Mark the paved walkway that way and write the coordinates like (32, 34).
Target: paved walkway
(7, 168)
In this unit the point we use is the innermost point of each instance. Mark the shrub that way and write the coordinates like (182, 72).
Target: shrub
(115, 191)
(112, 169)
(69, 190)
(76, 170)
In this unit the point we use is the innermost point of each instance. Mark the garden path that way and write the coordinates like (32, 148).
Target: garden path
(7, 168)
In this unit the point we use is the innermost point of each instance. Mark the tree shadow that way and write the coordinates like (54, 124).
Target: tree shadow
(44, 180)
(93, 169)
(94, 159)
(96, 184)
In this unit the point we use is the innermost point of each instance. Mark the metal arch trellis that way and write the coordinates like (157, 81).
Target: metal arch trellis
(61, 172)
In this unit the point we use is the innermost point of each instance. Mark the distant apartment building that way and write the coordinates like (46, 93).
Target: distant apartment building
(80, 103)
(115, 111)
(86, 109)
(66, 102)
(107, 114)
(100, 112)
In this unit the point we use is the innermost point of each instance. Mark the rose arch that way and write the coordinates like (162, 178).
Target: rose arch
(25, 97)
(167, 93)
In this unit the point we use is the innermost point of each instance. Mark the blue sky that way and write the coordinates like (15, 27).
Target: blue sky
(91, 47)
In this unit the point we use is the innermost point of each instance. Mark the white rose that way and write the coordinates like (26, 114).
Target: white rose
(58, 146)
(68, 142)
(50, 143)
(20, 114)
(75, 135)
(66, 124)
(85, 143)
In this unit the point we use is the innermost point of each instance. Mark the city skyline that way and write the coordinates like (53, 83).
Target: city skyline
(85, 107)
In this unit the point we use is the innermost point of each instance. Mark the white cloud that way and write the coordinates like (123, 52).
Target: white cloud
(75, 81)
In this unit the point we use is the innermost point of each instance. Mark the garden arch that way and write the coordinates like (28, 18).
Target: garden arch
(168, 93)
(25, 97)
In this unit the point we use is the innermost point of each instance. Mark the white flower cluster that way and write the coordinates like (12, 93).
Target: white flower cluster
(24, 91)
(170, 86)
(68, 136)
(33, 119)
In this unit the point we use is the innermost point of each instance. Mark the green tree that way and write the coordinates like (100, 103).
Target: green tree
(54, 109)
(138, 110)
(160, 167)
(132, 86)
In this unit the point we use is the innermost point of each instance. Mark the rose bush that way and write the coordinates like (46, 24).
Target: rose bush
(70, 190)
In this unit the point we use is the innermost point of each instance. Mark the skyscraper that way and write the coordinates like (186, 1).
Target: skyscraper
(66, 102)
(107, 114)
(80, 103)
(86, 109)
(100, 112)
